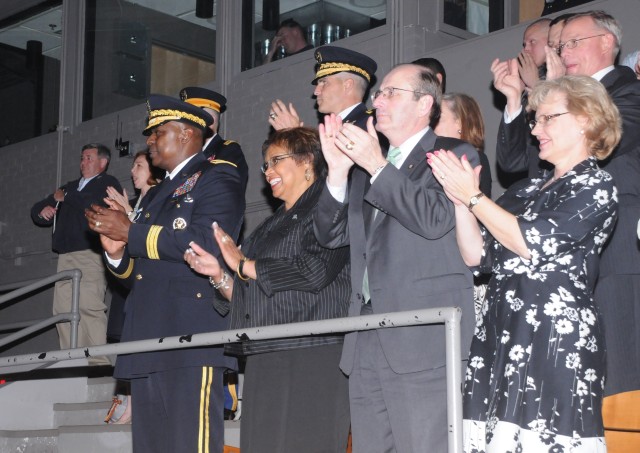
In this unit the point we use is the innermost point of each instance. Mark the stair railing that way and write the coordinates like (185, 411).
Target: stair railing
(32, 326)
(449, 316)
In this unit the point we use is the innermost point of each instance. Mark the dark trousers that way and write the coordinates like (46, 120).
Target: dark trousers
(391, 412)
(178, 410)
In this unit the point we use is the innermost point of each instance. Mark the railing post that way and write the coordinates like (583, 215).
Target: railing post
(75, 306)
(454, 379)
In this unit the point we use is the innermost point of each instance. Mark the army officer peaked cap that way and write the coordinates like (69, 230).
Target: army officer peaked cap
(201, 97)
(163, 109)
(332, 60)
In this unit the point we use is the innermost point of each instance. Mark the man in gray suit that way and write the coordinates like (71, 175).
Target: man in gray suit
(400, 226)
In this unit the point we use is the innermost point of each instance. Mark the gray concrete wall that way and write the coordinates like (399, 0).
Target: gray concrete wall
(28, 169)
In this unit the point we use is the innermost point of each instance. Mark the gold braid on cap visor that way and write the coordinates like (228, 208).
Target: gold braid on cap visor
(201, 102)
(326, 69)
(160, 116)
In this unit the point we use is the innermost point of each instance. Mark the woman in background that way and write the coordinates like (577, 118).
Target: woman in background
(460, 118)
(144, 176)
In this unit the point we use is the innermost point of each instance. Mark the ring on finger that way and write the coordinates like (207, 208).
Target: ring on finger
(349, 146)
(224, 239)
(98, 223)
(273, 115)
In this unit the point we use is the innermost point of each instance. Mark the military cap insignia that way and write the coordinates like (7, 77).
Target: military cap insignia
(332, 60)
(183, 95)
(187, 186)
(163, 109)
(179, 224)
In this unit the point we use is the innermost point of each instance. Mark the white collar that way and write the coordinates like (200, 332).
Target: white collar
(603, 72)
(407, 146)
(207, 141)
(179, 167)
(347, 111)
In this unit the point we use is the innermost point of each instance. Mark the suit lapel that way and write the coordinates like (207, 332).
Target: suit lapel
(412, 167)
(619, 76)
(417, 159)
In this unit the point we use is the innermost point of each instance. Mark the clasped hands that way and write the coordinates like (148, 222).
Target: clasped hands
(345, 144)
(207, 264)
(112, 225)
(511, 77)
(458, 178)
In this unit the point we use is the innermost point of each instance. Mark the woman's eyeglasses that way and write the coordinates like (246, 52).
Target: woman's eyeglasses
(542, 120)
(274, 161)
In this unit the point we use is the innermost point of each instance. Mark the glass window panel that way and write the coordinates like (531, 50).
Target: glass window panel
(137, 47)
(322, 21)
(470, 15)
(30, 49)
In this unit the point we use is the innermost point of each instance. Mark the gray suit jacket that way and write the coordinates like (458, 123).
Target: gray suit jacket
(410, 252)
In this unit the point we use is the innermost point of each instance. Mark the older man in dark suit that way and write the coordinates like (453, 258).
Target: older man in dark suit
(177, 394)
(400, 227)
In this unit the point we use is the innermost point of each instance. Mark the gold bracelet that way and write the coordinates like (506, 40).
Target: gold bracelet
(239, 269)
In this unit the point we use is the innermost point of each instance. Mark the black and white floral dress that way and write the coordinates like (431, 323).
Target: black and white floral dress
(536, 366)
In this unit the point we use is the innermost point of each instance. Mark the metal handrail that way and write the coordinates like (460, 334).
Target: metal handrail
(32, 285)
(450, 316)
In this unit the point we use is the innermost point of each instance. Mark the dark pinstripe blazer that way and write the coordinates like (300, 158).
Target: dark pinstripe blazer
(297, 279)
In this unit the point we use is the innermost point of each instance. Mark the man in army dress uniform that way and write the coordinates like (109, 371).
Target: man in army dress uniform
(178, 393)
(216, 147)
(342, 79)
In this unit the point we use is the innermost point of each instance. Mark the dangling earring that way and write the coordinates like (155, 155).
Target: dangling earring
(307, 175)
(459, 131)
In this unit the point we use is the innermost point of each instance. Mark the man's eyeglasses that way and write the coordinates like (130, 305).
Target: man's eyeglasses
(389, 91)
(542, 120)
(573, 43)
(274, 161)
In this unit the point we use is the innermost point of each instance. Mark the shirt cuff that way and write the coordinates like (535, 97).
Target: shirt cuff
(508, 118)
(338, 192)
(114, 263)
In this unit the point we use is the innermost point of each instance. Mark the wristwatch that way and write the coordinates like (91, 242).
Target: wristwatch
(475, 200)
